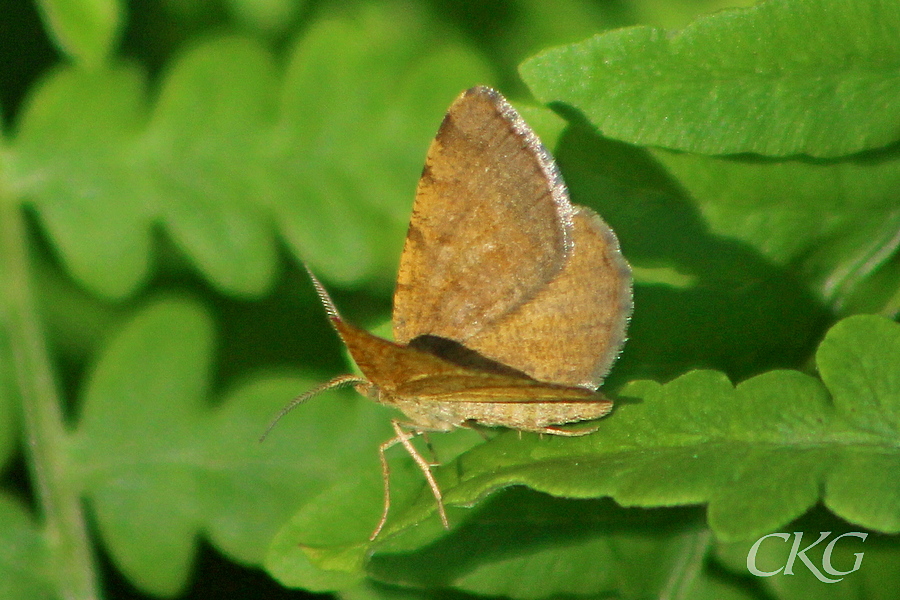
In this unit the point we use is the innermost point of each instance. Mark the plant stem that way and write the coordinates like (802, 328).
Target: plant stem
(71, 559)
(688, 568)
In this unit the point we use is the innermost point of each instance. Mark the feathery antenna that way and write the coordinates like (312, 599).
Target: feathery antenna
(330, 308)
(336, 383)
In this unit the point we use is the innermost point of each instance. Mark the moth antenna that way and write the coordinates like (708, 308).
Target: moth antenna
(336, 383)
(324, 298)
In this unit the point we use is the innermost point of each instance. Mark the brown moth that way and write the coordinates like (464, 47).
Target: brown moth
(511, 303)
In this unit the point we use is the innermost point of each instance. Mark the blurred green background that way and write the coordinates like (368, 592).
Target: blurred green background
(197, 149)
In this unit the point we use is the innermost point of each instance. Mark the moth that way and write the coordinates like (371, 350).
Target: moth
(511, 303)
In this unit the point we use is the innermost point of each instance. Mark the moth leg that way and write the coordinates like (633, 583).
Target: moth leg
(386, 478)
(477, 427)
(426, 469)
(404, 437)
(434, 459)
